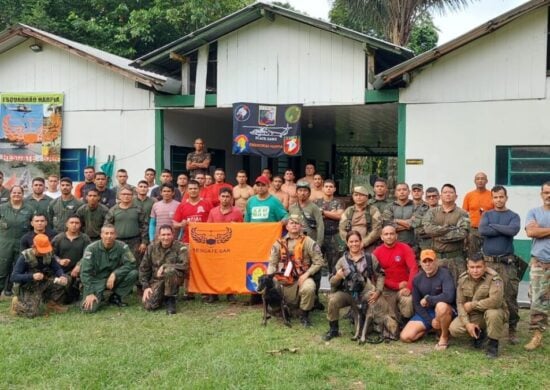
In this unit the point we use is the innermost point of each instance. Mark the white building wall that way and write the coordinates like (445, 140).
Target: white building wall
(101, 107)
(289, 62)
(459, 139)
(507, 64)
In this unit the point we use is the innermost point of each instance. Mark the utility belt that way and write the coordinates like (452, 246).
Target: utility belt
(502, 259)
(449, 255)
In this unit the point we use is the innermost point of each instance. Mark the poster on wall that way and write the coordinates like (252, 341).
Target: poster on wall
(30, 137)
(267, 130)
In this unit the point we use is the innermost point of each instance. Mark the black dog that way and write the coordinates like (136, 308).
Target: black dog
(273, 300)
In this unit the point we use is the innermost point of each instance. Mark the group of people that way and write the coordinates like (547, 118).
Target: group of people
(420, 259)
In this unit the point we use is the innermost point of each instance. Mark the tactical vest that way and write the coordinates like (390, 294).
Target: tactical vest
(32, 261)
(293, 261)
(349, 216)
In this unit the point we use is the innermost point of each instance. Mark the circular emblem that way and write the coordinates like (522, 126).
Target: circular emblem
(293, 114)
(242, 112)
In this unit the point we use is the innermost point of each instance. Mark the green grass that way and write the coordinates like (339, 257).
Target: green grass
(224, 346)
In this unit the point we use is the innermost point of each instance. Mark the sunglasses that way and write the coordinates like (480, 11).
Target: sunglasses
(431, 196)
(425, 261)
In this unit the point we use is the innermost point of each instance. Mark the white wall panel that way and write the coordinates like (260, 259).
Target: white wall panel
(289, 62)
(509, 63)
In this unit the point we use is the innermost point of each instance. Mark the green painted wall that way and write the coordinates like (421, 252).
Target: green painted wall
(523, 250)
(401, 138)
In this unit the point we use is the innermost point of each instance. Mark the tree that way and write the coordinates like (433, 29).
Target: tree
(424, 35)
(129, 28)
(396, 18)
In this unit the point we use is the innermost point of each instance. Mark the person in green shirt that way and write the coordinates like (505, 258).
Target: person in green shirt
(107, 264)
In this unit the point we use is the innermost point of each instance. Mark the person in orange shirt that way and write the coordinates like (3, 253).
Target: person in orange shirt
(475, 203)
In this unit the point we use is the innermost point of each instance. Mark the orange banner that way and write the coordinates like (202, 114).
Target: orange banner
(228, 258)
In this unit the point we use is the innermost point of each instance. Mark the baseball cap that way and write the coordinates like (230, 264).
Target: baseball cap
(427, 254)
(263, 180)
(303, 184)
(417, 186)
(42, 244)
(296, 218)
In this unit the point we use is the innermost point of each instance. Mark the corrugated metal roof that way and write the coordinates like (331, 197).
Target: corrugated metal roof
(159, 59)
(21, 32)
(395, 74)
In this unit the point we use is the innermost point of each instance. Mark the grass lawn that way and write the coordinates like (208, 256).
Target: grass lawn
(224, 346)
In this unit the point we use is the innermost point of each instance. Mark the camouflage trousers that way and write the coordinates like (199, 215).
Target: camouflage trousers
(491, 320)
(133, 244)
(539, 292)
(168, 286)
(509, 275)
(475, 241)
(332, 250)
(456, 265)
(400, 305)
(31, 296)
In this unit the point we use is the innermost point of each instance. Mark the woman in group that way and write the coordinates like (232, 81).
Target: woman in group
(15, 219)
(350, 284)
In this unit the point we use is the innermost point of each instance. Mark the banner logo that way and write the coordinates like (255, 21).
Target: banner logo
(253, 272)
(292, 145)
(211, 237)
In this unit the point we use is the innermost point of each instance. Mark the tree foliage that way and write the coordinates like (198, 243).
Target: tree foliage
(424, 35)
(129, 28)
(395, 19)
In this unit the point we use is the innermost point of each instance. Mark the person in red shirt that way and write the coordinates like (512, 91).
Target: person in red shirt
(219, 183)
(225, 212)
(399, 264)
(193, 209)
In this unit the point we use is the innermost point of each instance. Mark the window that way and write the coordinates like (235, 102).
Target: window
(73, 162)
(522, 165)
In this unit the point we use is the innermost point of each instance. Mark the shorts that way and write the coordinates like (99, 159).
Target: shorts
(431, 313)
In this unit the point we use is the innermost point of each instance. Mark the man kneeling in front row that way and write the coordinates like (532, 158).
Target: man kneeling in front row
(481, 307)
(295, 260)
(163, 270)
(38, 277)
(107, 264)
(433, 298)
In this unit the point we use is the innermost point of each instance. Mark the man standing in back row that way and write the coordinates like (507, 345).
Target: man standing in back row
(475, 203)
(538, 228)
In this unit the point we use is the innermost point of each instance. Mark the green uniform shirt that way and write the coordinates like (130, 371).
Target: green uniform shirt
(73, 250)
(312, 215)
(447, 229)
(98, 263)
(60, 210)
(38, 206)
(156, 256)
(14, 223)
(4, 195)
(380, 204)
(92, 219)
(146, 205)
(486, 293)
(129, 223)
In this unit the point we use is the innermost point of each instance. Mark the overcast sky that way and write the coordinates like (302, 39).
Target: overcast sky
(450, 25)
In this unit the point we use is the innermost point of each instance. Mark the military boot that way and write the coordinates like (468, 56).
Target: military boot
(492, 349)
(478, 343)
(115, 299)
(13, 306)
(304, 319)
(333, 331)
(54, 307)
(513, 337)
(170, 305)
(535, 342)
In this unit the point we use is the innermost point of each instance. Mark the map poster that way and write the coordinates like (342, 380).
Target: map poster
(267, 130)
(30, 137)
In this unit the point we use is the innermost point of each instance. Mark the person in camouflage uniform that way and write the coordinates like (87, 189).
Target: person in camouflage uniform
(331, 210)
(400, 213)
(163, 270)
(313, 223)
(363, 217)
(380, 198)
(538, 228)
(38, 278)
(92, 215)
(62, 208)
(498, 228)
(199, 160)
(448, 226)
(107, 264)
(481, 307)
(432, 200)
